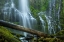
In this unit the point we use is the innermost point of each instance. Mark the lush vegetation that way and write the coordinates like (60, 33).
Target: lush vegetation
(36, 6)
(62, 15)
(6, 36)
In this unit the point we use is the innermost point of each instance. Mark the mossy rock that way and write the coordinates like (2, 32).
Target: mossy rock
(50, 40)
(60, 35)
(6, 36)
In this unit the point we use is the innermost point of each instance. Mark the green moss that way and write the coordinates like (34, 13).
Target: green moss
(50, 40)
(34, 11)
(62, 15)
(60, 35)
(16, 23)
(6, 36)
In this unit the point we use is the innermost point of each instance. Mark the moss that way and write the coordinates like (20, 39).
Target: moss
(50, 40)
(16, 23)
(6, 36)
(62, 15)
(60, 35)
(18, 35)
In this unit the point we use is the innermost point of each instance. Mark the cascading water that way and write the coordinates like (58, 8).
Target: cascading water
(52, 17)
(25, 13)
(22, 14)
(43, 24)
(42, 21)
(25, 16)
(8, 10)
(59, 9)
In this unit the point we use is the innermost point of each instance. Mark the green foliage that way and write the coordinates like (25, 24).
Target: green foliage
(60, 35)
(62, 15)
(57, 4)
(34, 11)
(44, 5)
(49, 40)
(16, 23)
(37, 6)
(18, 35)
(6, 36)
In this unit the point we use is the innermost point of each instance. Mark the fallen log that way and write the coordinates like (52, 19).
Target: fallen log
(21, 28)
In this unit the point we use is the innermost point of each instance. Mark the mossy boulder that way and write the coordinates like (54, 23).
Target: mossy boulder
(49, 40)
(6, 36)
(60, 35)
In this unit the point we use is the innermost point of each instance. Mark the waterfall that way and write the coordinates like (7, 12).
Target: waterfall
(43, 24)
(59, 9)
(25, 13)
(9, 10)
(21, 15)
(52, 17)
(25, 17)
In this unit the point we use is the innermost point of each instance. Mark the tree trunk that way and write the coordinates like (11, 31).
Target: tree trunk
(21, 28)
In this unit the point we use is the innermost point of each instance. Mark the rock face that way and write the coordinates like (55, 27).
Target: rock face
(6, 36)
